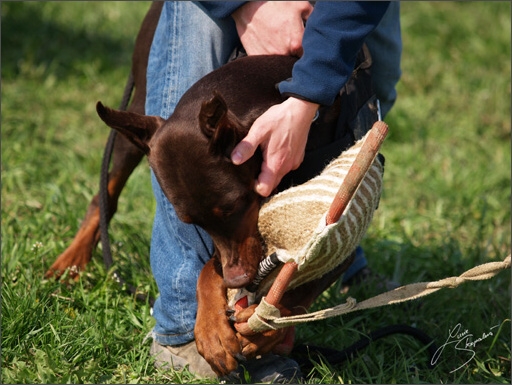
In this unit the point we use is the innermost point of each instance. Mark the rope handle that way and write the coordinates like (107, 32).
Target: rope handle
(398, 295)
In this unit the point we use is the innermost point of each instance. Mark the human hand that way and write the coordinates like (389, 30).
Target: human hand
(272, 27)
(278, 341)
(282, 132)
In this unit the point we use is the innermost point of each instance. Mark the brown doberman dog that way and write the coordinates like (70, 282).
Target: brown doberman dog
(190, 156)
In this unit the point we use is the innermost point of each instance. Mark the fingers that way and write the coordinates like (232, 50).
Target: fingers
(241, 317)
(244, 314)
(272, 27)
(252, 343)
(271, 173)
(275, 167)
(244, 329)
(281, 133)
(267, 181)
(244, 150)
(307, 8)
(260, 343)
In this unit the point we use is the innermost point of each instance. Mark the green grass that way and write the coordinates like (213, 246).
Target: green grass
(445, 206)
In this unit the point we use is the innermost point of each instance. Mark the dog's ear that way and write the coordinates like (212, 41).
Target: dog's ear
(220, 125)
(137, 128)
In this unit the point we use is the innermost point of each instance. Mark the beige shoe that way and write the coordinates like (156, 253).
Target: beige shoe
(180, 356)
(268, 368)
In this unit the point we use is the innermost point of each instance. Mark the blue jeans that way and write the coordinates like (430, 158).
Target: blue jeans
(187, 45)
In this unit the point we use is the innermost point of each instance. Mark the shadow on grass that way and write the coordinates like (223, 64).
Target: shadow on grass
(62, 50)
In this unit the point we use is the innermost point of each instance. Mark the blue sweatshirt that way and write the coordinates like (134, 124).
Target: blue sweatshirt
(334, 34)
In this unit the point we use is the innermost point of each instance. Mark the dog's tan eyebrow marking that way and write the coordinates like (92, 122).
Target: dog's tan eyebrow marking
(186, 218)
(218, 212)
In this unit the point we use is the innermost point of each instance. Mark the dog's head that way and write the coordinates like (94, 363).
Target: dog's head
(190, 155)
(194, 169)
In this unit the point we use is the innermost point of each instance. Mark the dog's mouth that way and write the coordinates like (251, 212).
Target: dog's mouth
(240, 262)
(236, 277)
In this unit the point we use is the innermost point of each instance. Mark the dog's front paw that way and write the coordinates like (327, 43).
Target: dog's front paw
(217, 343)
(215, 337)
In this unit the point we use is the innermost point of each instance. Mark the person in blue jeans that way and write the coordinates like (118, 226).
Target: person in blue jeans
(194, 38)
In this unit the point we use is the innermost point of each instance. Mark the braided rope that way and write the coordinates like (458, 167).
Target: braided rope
(398, 295)
(315, 245)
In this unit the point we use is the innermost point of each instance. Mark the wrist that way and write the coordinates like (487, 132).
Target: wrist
(306, 108)
(243, 15)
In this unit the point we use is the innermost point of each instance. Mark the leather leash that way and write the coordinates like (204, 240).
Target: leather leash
(103, 200)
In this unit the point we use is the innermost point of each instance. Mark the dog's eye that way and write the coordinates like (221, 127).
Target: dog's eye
(223, 212)
(228, 209)
(234, 205)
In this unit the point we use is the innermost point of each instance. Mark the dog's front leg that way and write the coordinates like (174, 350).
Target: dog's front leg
(215, 338)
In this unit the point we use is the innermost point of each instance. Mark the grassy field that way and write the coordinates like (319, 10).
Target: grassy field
(445, 206)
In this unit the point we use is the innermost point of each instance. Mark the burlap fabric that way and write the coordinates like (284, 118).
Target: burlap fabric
(292, 223)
